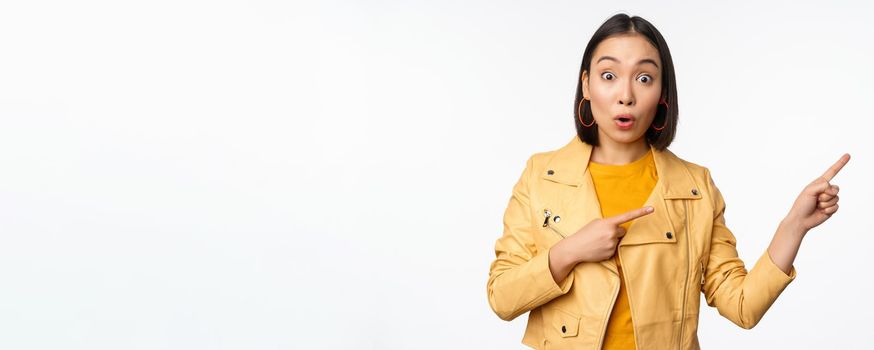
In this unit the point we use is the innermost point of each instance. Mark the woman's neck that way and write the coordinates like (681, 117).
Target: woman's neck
(618, 153)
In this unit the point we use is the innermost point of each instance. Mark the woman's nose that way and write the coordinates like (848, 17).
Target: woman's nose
(626, 97)
(626, 101)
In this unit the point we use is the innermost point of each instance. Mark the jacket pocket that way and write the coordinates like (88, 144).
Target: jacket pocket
(701, 268)
(561, 322)
(563, 329)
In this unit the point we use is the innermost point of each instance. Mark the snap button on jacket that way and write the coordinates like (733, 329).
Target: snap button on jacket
(668, 257)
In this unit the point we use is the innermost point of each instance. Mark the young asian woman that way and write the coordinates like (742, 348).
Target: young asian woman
(608, 240)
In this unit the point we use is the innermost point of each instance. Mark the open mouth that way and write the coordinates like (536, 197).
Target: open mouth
(624, 122)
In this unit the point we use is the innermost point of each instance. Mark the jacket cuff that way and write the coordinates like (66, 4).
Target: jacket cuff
(545, 277)
(773, 272)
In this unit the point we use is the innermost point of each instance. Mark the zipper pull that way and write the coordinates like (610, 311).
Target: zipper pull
(702, 273)
(546, 215)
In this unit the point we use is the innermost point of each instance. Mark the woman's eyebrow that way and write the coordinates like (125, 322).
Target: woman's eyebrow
(611, 58)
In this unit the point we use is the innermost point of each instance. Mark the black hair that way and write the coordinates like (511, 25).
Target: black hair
(623, 24)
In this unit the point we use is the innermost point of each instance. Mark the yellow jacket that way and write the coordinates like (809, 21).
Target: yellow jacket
(668, 257)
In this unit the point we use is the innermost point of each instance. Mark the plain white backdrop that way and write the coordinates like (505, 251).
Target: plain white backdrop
(333, 175)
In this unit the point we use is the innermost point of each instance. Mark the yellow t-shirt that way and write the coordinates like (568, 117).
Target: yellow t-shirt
(621, 188)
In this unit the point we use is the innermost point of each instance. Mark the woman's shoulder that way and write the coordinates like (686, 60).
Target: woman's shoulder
(700, 174)
(693, 167)
(562, 161)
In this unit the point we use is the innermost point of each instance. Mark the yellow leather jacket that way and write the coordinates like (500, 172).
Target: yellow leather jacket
(668, 257)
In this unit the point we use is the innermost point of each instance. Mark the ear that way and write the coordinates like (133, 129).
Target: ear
(585, 79)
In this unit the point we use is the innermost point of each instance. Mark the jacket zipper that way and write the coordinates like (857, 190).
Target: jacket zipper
(691, 242)
(546, 215)
(630, 303)
(688, 268)
(610, 310)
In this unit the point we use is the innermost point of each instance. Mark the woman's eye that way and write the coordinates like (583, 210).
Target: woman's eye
(607, 75)
(644, 79)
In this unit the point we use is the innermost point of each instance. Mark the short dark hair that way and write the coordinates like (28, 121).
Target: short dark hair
(623, 24)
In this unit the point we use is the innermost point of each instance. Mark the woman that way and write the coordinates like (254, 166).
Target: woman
(608, 240)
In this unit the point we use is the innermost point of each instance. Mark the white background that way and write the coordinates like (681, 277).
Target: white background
(333, 175)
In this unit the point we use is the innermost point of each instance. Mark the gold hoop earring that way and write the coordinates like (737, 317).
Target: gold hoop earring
(665, 103)
(580, 115)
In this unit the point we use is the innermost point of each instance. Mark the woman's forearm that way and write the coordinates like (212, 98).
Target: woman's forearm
(784, 246)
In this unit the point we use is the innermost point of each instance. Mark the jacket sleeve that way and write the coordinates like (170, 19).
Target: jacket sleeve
(519, 277)
(740, 296)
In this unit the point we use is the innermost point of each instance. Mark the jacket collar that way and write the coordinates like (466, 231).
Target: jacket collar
(570, 165)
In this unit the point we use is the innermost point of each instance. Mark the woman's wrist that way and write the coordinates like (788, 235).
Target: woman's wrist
(792, 226)
(568, 253)
(561, 260)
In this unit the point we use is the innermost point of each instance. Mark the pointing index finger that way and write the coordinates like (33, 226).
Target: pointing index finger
(631, 215)
(834, 169)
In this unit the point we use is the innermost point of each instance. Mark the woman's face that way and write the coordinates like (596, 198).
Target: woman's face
(625, 81)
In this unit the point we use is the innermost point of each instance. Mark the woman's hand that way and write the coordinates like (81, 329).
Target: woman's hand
(818, 201)
(597, 240)
(594, 242)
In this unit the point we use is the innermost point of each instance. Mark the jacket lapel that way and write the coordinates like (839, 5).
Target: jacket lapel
(569, 166)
